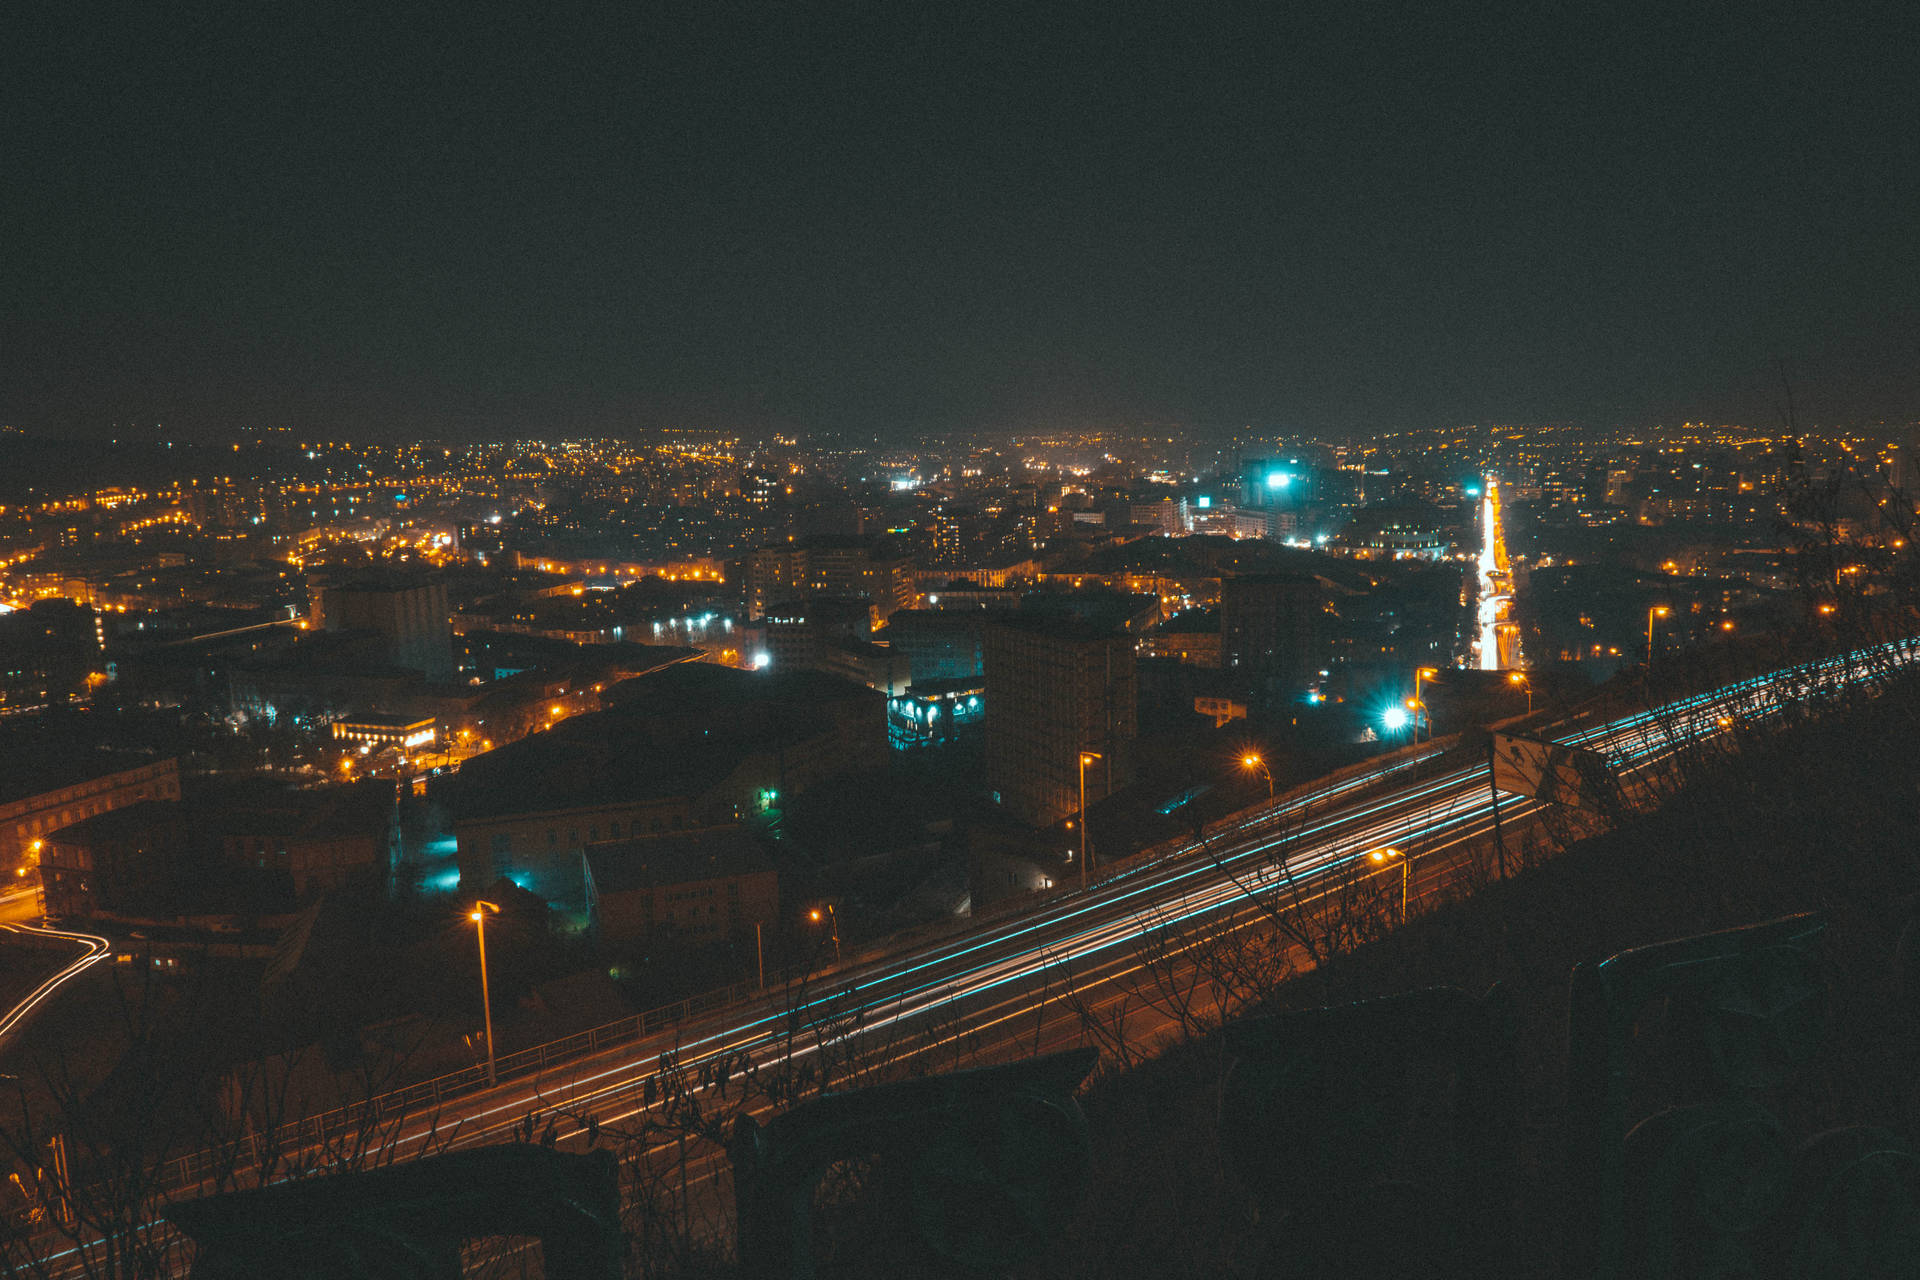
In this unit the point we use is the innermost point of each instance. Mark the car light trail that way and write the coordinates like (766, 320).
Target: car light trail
(97, 949)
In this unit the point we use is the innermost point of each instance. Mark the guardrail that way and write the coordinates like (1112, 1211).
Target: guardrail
(317, 1130)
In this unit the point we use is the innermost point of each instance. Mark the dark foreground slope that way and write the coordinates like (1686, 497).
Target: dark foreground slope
(1820, 818)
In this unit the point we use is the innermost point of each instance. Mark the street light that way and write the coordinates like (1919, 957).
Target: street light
(1519, 679)
(1253, 761)
(1419, 707)
(479, 918)
(1084, 855)
(833, 928)
(1385, 854)
(1657, 611)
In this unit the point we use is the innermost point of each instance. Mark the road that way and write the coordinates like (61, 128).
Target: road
(1020, 985)
(92, 951)
(1498, 645)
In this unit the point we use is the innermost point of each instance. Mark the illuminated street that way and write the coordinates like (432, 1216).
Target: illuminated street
(1498, 647)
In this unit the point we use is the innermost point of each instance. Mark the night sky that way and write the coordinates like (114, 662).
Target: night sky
(895, 218)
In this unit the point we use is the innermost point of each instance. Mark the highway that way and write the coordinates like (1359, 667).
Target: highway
(1022, 984)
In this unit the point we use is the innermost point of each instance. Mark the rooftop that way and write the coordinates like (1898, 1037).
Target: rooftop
(681, 858)
(35, 768)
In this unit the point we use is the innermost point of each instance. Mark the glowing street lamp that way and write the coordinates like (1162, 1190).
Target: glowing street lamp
(1385, 854)
(1423, 673)
(1253, 761)
(833, 928)
(479, 918)
(1519, 680)
(1084, 855)
(1657, 611)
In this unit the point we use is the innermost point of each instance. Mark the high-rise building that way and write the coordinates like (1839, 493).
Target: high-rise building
(412, 615)
(829, 565)
(1273, 626)
(1057, 687)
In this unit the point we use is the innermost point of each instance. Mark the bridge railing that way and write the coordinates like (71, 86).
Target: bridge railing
(316, 1130)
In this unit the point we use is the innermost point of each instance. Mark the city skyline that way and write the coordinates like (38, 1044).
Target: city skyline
(501, 224)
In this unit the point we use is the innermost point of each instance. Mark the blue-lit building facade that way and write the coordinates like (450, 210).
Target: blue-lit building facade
(936, 712)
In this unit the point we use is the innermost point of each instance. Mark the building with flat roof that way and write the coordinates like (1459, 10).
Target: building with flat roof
(692, 745)
(692, 887)
(380, 729)
(829, 565)
(411, 615)
(45, 789)
(1273, 627)
(1057, 687)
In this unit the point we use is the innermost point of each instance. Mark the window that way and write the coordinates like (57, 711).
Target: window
(502, 845)
(613, 829)
(552, 837)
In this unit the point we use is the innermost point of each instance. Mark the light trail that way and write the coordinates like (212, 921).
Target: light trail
(97, 949)
(1080, 943)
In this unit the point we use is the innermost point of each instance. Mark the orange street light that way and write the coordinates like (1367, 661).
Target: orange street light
(1657, 611)
(1419, 707)
(833, 924)
(1253, 761)
(1084, 855)
(479, 918)
(1519, 679)
(1385, 854)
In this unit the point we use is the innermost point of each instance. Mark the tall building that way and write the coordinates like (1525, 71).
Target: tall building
(829, 565)
(1273, 627)
(412, 615)
(1055, 687)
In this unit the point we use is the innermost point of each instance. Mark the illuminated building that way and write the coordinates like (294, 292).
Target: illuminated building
(828, 565)
(932, 712)
(406, 732)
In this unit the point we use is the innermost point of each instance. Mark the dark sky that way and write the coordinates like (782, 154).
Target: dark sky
(895, 217)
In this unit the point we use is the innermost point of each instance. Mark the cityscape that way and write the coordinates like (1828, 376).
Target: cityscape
(920, 769)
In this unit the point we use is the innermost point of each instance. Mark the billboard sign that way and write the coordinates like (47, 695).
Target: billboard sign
(1552, 771)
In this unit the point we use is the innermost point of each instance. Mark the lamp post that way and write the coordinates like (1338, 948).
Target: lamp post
(479, 918)
(1084, 855)
(1420, 707)
(1252, 761)
(1519, 680)
(1385, 854)
(833, 928)
(1657, 611)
